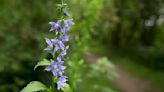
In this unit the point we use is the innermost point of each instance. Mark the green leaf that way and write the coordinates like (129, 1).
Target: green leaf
(65, 4)
(44, 62)
(81, 61)
(105, 62)
(34, 86)
(67, 88)
(59, 5)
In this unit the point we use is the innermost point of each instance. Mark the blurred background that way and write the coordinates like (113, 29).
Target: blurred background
(125, 36)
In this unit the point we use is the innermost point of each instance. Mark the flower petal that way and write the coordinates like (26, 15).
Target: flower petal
(48, 68)
(55, 41)
(59, 58)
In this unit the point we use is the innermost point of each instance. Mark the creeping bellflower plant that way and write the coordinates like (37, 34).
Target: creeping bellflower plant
(57, 47)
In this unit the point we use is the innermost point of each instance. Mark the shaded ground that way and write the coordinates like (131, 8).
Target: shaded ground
(126, 81)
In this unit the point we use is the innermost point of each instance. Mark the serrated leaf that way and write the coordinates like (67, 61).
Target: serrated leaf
(44, 62)
(34, 86)
(67, 88)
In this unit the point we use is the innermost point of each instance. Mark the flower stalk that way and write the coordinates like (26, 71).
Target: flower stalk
(58, 48)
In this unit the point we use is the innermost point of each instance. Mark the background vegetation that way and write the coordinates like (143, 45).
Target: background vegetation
(133, 29)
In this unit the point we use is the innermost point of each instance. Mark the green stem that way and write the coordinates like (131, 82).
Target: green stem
(53, 85)
(62, 2)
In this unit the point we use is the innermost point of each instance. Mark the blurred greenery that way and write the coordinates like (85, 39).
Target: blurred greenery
(96, 80)
(133, 29)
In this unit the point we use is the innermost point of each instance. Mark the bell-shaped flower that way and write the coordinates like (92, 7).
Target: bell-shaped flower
(50, 45)
(64, 52)
(64, 38)
(61, 82)
(55, 26)
(68, 22)
(66, 14)
(59, 58)
(58, 44)
(56, 68)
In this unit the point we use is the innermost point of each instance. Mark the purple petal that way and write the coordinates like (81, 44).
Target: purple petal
(53, 26)
(62, 79)
(48, 48)
(67, 28)
(61, 45)
(54, 72)
(61, 62)
(53, 53)
(66, 14)
(60, 85)
(61, 82)
(59, 58)
(52, 62)
(56, 31)
(52, 23)
(55, 41)
(59, 22)
(63, 67)
(64, 52)
(67, 22)
(48, 68)
(48, 41)
(57, 47)
(64, 38)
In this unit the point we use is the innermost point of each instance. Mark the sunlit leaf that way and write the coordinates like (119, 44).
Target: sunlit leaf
(44, 62)
(34, 86)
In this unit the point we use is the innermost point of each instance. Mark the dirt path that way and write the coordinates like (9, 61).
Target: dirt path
(126, 81)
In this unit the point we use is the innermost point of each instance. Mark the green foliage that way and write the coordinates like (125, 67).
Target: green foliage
(44, 62)
(87, 12)
(85, 15)
(23, 27)
(103, 67)
(34, 86)
(97, 82)
(134, 27)
(67, 88)
(73, 71)
(105, 62)
(112, 22)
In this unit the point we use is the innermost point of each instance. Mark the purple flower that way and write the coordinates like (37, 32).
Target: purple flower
(55, 26)
(58, 44)
(61, 82)
(68, 22)
(66, 25)
(59, 58)
(64, 38)
(65, 29)
(50, 45)
(64, 52)
(66, 14)
(56, 68)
